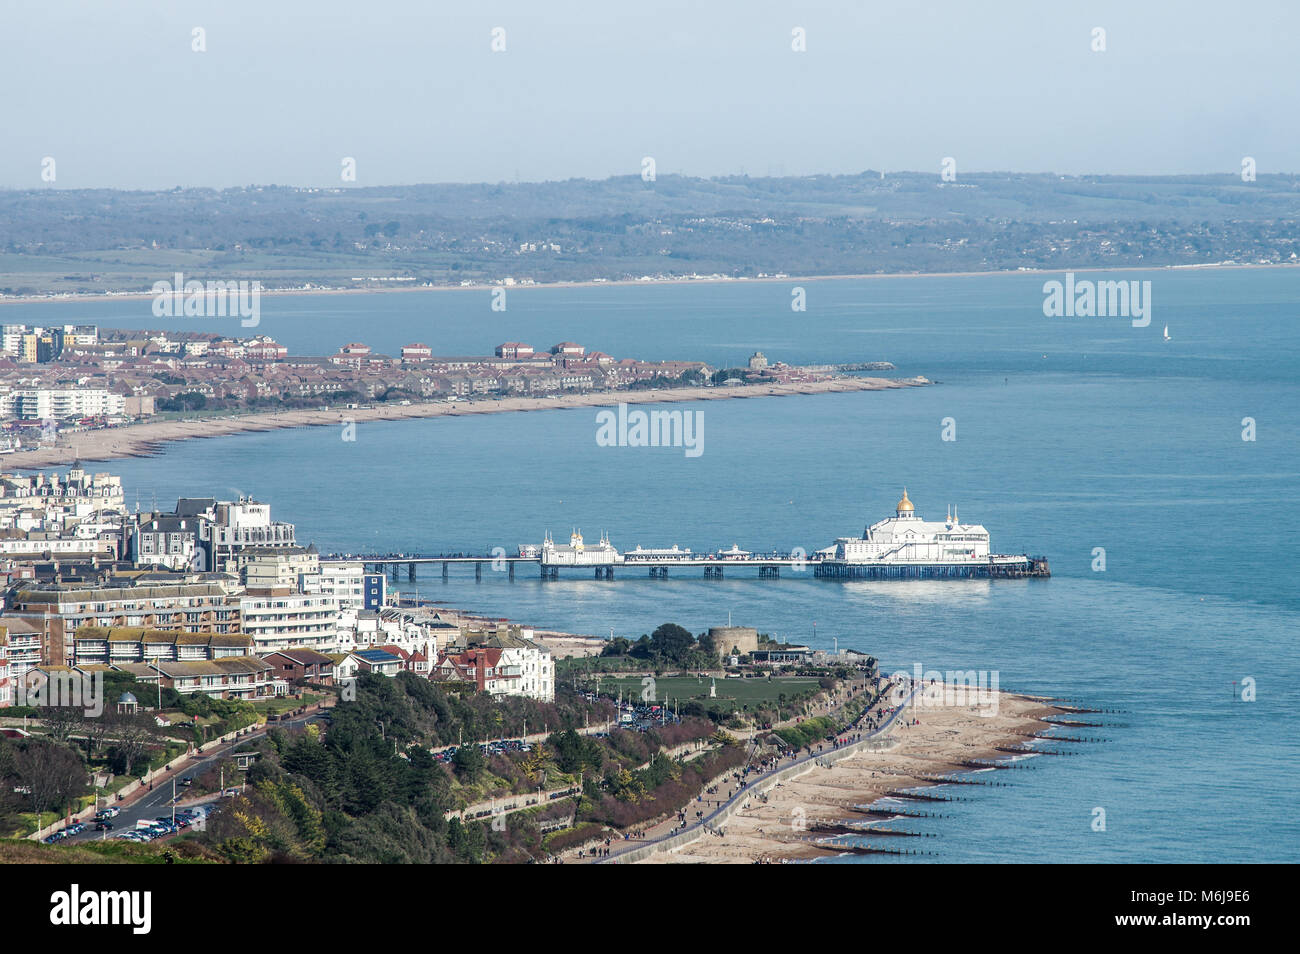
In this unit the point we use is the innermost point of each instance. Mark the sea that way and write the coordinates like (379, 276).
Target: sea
(1156, 475)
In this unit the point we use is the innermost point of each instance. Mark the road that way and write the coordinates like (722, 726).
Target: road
(159, 801)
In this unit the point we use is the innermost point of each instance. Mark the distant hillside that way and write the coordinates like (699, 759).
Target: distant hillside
(621, 228)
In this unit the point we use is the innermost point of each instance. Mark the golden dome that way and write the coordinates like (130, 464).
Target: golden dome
(905, 505)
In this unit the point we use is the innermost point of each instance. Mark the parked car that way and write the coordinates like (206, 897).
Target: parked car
(103, 825)
(111, 812)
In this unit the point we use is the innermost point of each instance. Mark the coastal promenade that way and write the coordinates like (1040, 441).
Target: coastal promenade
(712, 823)
(147, 439)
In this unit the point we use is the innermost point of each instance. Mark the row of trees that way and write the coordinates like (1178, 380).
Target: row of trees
(668, 645)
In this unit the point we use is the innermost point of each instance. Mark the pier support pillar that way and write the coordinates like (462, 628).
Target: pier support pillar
(512, 572)
(478, 572)
(444, 571)
(410, 572)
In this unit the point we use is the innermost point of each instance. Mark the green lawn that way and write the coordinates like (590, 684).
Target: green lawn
(285, 704)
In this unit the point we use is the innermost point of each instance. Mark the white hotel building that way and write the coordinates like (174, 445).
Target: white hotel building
(279, 618)
(39, 404)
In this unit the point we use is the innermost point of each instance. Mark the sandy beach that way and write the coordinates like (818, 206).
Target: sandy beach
(147, 439)
(567, 645)
(782, 824)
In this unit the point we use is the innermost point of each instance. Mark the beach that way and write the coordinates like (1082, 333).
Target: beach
(567, 645)
(780, 824)
(147, 439)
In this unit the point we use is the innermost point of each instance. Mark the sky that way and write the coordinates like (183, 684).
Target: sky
(412, 90)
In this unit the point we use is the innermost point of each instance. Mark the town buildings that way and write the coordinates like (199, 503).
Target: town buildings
(183, 597)
(501, 663)
(114, 645)
(232, 677)
(300, 666)
(55, 611)
(6, 675)
(281, 618)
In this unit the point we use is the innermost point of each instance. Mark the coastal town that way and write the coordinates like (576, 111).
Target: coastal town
(59, 385)
(178, 662)
(213, 595)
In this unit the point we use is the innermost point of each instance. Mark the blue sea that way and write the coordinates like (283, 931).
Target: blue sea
(1073, 437)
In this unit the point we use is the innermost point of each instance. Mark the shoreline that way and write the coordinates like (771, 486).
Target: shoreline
(853, 792)
(58, 297)
(148, 439)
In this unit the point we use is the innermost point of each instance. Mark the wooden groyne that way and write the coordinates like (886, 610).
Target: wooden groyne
(890, 813)
(1014, 750)
(839, 829)
(921, 796)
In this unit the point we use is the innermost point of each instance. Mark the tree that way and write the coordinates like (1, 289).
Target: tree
(60, 721)
(131, 740)
(671, 641)
(53, 774)
(95, 729)
(469, 763)
(618, 646)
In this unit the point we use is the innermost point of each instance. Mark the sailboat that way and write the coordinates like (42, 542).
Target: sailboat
(1167, 338)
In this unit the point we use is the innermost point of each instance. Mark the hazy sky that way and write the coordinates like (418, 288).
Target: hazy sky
(585, 88)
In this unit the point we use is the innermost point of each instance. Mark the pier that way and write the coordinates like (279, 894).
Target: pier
(767, 567)
(902, 547)
(658, 567)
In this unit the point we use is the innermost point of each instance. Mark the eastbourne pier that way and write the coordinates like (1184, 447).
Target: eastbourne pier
(901, 547)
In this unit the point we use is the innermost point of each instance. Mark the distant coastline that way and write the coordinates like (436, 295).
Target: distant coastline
(631, 282)
(147, 439)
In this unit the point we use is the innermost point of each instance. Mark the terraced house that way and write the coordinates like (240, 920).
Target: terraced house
(57, 610)
(113, 645)
(234, 677)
